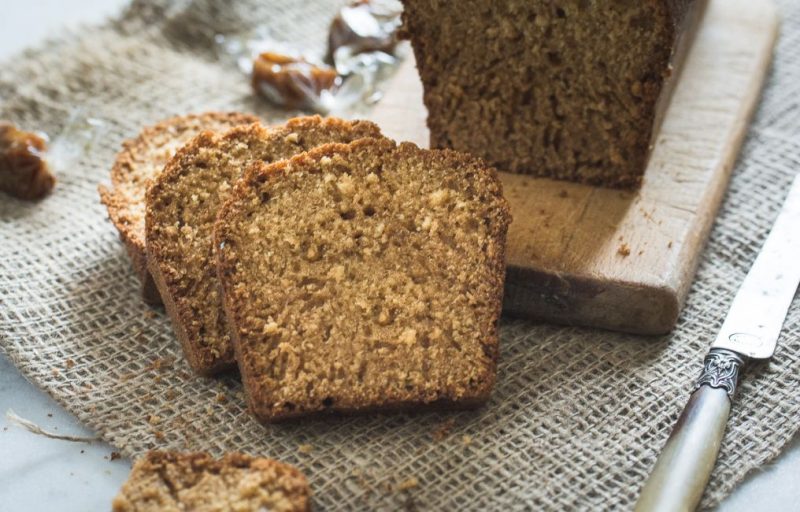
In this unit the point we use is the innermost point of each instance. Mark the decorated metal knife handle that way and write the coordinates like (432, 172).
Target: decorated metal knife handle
(721, 370)
(682, 470)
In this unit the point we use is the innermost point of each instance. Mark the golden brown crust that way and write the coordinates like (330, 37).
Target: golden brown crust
(258, 181)
(172, 481)
(181, 208)
(137, 163)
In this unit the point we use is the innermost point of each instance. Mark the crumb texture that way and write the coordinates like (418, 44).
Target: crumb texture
(182, 207)
(364, 276)
(173, 482)
(566, 89)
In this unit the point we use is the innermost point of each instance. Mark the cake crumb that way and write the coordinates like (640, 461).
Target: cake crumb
(154, 419)
(70, 364)
(407, 484)
(305, 448)
(438, 197)
(443, 429)
(159, 363)
(221, 398)
(159, 435)
(408, 337)
(466, 439)
(624, 250)
(114, 456)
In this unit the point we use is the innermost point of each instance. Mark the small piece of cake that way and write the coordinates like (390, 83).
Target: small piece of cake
(23, 172)
(176, 482)
(364, 276)
(141, 160)
(182, 206)
(567, 89)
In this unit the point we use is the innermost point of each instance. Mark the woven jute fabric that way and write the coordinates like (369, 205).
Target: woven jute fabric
(578, 415)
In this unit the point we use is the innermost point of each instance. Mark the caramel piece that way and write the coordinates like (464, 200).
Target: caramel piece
(23, 171)
(291, 82)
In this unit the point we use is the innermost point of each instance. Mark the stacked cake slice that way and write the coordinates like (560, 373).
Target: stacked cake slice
(339, 270)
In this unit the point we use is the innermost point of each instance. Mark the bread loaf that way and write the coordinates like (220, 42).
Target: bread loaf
(570, 89)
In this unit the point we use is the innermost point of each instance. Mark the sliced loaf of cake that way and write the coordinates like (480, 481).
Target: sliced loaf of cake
(364, 276)
(569, 89)
(175, 482)
(138, 163)
(182, 207)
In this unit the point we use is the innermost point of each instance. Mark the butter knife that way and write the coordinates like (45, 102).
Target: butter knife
(750, 331)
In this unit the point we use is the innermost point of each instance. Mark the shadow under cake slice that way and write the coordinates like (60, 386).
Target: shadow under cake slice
(173, 481)
(182, 206)
(364, 276)
(137, 164)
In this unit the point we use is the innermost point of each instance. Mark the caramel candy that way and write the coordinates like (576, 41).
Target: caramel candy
(291, 82)
(23, 171)
(361, 27)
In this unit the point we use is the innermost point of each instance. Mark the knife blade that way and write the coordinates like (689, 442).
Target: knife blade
(750, 331)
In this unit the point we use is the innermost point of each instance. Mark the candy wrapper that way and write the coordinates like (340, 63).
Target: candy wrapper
(362, 52)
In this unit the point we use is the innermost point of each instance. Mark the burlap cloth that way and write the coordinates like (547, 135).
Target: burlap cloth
(578, 415)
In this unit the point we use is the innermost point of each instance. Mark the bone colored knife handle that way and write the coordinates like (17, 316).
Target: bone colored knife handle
(684, 466)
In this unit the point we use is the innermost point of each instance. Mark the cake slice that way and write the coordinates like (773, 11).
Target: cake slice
(182, 207)
(174, 482)
(137, 164)
(364, 276)
(568, 89)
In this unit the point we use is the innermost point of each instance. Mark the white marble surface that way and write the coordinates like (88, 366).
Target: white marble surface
(37, 473)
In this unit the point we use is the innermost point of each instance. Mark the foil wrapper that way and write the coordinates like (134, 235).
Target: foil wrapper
(362, 27)
(362, 52)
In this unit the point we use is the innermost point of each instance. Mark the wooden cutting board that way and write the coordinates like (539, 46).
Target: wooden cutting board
(625, 260)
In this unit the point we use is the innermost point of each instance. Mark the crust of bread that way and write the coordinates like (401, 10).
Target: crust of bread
(133, 154)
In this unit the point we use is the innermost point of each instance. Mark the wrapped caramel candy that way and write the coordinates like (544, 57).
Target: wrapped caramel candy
(291, 82)
(23, 171)
(363, 26)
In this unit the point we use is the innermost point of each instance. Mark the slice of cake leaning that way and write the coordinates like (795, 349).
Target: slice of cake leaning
(140, 162)
(182, 206)
(364, 276)
(568, 89)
